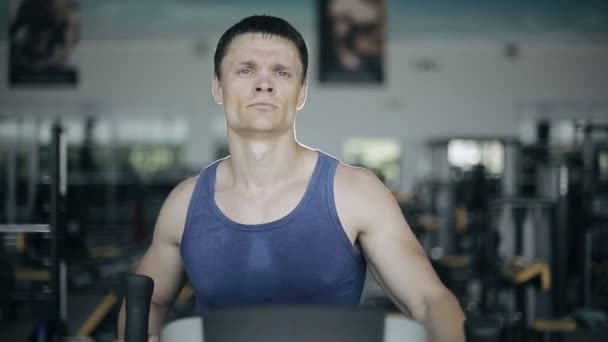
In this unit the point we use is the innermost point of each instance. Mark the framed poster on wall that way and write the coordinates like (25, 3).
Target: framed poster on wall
(43, 35)
(352, 41)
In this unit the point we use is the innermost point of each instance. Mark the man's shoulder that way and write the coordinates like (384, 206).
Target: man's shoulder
(359, 196)
(357, 178)
(184, 189)
(172, 217)
(358, 184)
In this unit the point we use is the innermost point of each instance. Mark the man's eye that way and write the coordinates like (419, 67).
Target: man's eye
(245, 71)
(283, 73)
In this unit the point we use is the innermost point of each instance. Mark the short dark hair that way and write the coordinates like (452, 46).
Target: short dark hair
(267, 25)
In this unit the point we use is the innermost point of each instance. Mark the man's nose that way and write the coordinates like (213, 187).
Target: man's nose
(264, 85)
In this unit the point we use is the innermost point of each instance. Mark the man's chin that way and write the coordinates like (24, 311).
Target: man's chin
(260, 131)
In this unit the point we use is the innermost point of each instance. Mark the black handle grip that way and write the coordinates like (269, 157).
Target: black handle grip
(139, 290)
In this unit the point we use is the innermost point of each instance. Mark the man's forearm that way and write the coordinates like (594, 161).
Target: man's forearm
(444, 319)
(155, 322)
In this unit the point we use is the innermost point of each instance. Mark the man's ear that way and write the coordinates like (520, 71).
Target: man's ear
(303, 95)
(216, 90)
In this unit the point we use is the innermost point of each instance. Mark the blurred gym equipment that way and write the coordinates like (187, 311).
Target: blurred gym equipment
(102, 230)
(282, 323)
(53, 320)
(39, 266)
(522, 229)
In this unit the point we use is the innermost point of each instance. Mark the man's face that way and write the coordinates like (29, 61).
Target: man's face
(261, 84)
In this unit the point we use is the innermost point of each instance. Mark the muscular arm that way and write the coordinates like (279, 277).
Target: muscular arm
(162, 261)
(396, 258)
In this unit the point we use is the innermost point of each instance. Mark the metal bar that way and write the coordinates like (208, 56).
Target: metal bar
(25, 228)
(11, 183)
(33, 167)
(63, 291)
(56, 219)
(587, 268)
(562, 225)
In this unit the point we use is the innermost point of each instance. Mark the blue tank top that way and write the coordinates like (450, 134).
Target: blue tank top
(304, 257)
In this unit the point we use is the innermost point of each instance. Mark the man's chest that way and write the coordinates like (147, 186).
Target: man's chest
(259, 209)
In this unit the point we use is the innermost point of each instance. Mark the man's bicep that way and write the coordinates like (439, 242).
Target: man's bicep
(162, 262)
(395, 254)
(402, 268)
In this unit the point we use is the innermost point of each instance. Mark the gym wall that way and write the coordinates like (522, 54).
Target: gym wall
(435, 86)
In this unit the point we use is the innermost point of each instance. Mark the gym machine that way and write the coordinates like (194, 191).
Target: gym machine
(49, 281)
(574, 175)
(468, 173)
(283, 323)
(54, 321)
(27, 265)
(528, 244)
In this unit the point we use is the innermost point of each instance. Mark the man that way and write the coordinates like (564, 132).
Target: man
(278, 222)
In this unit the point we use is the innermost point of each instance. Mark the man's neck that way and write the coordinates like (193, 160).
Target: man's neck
(260, 164)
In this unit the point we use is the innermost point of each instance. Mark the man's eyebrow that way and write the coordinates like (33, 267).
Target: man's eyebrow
(253, 64)
(248, 63)
(279, 66)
